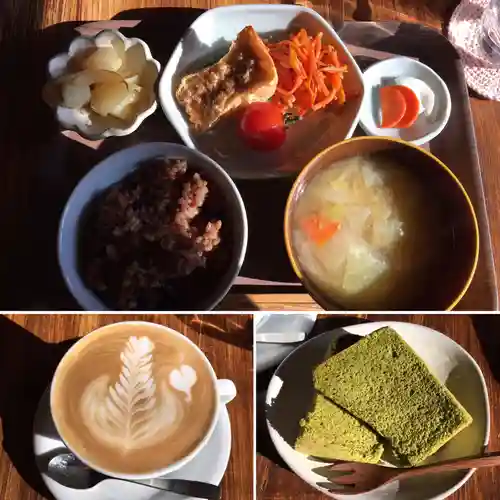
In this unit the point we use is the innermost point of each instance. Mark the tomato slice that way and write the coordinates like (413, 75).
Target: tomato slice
(262, 126)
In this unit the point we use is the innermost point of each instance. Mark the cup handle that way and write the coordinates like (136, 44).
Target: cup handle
(227, 390)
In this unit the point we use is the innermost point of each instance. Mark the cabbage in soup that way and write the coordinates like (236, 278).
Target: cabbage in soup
(360, 231)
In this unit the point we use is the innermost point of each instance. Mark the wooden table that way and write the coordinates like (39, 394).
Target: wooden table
(35, 186)
(475, 333)
(32, 345)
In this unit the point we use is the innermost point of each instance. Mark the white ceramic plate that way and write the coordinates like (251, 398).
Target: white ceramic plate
(290, 392)
(421, 131)
(207, 40)
(268, 355)
(209, 466)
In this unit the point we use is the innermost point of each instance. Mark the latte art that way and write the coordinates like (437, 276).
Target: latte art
(133, 400)
(183, 379)
(135, 411)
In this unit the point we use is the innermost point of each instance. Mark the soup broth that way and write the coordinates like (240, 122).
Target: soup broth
(362, 229)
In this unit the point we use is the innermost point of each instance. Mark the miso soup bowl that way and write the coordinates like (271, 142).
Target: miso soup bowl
(453, 260)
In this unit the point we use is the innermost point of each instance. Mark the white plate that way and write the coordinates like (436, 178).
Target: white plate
(268, 355)
(421, 131)
(209, 35)
(209, 466)
(290, 393)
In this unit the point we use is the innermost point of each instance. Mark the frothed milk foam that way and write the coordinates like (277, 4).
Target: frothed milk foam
(133, 399)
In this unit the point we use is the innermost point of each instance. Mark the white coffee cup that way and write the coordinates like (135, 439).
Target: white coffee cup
(225, 389)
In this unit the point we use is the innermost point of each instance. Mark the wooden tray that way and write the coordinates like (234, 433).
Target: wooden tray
(266, 271)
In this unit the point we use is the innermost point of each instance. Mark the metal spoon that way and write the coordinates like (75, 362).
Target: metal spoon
(67, 470)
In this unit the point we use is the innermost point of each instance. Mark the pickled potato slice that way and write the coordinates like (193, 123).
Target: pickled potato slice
(75, 92)
(103, 58)
(132, 80)
(119, 46)
(77, 61)
(110, 39)
(148, 76)
(76, 89)
(75, 95)
(107, 97)
(134, 61)
(91, 77)
(125, 109)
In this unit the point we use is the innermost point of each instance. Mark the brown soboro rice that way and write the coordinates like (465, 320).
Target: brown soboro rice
(146, 233)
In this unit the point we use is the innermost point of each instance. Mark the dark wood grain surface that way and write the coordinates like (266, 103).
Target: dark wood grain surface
(32, 345)
(36, 181)
(478, 334)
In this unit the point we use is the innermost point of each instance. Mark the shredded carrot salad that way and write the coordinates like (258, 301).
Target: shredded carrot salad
(309, 73)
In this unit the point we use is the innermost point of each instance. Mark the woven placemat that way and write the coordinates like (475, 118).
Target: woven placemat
(465, 33)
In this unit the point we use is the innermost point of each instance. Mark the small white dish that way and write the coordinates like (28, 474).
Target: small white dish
(212, 33)
(78, 120)
(291, 390)
(209, 466)
(288, 325)
(423, 130)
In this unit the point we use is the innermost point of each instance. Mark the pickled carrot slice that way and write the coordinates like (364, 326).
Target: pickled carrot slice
(393, 106)
(319, 229)
(412, 107)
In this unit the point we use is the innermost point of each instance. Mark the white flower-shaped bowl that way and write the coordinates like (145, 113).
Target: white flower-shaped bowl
(211, 33)
(92, 126)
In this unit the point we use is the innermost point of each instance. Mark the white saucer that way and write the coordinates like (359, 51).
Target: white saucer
(290, 393)
(209, 466)
(395, 67)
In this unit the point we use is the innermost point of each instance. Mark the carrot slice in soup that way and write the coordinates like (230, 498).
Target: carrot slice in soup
(393, 105)
(320, 230)
(412, 107)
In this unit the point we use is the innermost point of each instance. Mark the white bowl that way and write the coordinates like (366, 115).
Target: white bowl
(290, 393)
(211, 34)
(77, 120)
(113, 169)
(421, 131)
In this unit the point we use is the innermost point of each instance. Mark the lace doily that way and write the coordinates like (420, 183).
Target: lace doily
(465, 33)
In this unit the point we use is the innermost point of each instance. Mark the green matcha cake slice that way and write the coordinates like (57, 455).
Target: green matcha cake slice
(382, 381)
(330, 433)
